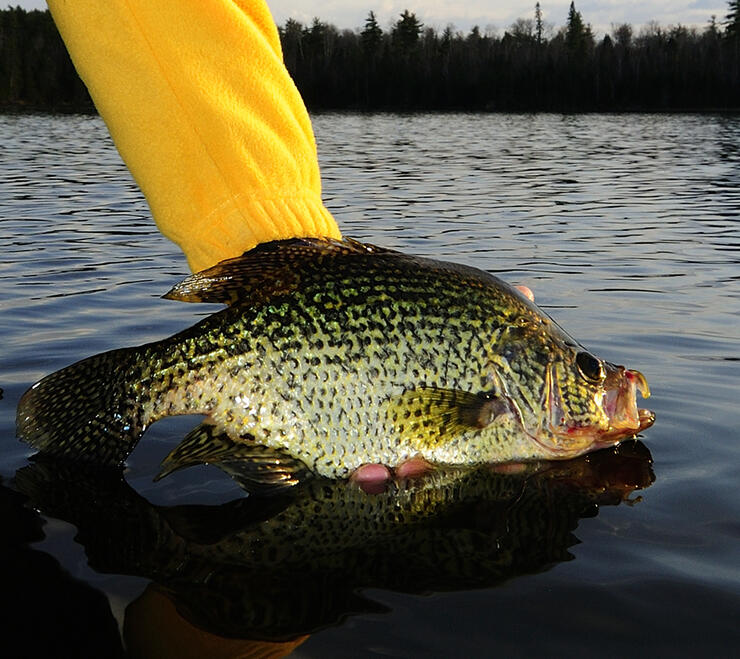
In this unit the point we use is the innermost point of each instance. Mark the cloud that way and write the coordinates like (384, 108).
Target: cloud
(601, 14)
(709, 5)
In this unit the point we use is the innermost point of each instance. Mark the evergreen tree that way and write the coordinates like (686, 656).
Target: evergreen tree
(732, 20)
(712, 28)
(578, 36)
(538, 23)
(371, 35)
(406, 31)
(320, 39)
(445, 42)
(474, 36)
(291, 37)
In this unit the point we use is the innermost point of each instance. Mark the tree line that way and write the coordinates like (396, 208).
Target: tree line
(410, 67)
(35, 69)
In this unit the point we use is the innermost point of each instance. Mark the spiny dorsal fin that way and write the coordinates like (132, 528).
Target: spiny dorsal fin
(253, 466)
(431, 416)
(268, 269)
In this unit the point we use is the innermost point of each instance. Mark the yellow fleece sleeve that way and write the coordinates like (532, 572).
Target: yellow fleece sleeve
(204, 114)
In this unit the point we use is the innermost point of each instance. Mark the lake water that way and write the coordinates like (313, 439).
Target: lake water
(627, 227)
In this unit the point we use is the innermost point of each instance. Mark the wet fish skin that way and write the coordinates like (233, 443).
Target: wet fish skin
(341, 354)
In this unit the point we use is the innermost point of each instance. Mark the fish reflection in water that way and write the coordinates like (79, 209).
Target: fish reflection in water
(279, 567)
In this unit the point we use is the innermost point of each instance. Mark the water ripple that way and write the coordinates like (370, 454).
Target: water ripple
(625, 226)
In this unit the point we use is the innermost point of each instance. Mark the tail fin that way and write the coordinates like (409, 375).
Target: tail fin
(87, 411)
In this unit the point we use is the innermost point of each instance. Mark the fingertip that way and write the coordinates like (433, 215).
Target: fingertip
(371, 478)
(413, 468)
(526, 291)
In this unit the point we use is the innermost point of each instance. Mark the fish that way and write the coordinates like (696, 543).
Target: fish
(331, 354)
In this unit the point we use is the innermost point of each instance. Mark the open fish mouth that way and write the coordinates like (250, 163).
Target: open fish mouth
(622, 418)
(620, 405)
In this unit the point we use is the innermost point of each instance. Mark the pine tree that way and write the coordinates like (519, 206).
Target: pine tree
(578, 36)
(371, 34)
(406, 31)
(538, 23)
(732, 20)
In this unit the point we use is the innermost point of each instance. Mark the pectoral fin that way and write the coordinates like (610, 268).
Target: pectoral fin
(430, 416)
(254, 467)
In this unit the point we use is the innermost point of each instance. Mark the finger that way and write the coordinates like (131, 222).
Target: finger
(527, 291)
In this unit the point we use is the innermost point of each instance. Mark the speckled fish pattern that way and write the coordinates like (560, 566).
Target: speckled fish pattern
(338, 354)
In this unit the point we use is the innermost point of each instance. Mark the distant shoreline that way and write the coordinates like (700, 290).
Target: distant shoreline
(23, 109)
(413, 69)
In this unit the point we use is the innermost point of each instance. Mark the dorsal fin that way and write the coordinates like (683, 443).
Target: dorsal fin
(268, 269)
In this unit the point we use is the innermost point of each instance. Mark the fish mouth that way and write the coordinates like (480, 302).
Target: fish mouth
(622, 418)
(620, 405)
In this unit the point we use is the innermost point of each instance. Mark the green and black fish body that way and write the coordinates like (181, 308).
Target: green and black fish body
(331, 354)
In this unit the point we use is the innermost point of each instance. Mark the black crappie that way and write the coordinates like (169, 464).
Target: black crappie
(337, 354)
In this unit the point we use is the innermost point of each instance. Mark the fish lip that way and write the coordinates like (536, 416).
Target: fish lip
(647, 418)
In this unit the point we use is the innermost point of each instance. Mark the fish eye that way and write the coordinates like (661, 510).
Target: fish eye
(590, 367)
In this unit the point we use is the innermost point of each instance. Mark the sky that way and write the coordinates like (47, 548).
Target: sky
(492, 14)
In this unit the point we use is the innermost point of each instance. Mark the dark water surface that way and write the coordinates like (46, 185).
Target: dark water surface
(626, 227)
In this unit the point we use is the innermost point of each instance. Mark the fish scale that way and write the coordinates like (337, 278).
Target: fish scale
(339, 354)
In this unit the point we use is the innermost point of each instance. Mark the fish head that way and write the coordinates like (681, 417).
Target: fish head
(589, 404)
(567, 400)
